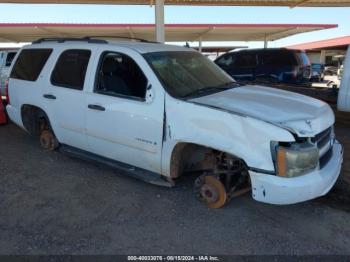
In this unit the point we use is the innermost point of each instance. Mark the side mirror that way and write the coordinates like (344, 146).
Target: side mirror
(149, 94)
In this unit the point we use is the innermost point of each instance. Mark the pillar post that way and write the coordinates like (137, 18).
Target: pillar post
(200, 44)
(159, 21)
(323, 57)
(265, 42)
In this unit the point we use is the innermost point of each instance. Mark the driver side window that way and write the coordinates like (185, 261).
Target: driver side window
(119, 75)
(226, 60)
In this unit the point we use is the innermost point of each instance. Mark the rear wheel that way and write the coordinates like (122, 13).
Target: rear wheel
(48, 141)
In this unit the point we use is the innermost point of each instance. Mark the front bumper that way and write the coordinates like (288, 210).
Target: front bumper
(278, 190)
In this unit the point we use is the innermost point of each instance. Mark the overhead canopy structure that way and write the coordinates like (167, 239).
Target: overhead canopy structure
(289, 3)
(339, 42)
(159, 6)
(218, 49)
(26, 32)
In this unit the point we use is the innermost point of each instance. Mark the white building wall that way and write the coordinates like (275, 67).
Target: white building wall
(320, 57)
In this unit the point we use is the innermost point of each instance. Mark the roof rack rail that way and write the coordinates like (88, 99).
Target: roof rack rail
(120, 37)
(64, 39)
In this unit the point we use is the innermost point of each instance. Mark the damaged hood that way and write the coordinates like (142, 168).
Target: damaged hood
(302, 115)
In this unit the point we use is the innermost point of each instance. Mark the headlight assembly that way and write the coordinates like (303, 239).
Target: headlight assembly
(296, 159)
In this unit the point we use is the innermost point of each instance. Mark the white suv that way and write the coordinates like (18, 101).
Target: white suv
(159, 111)
(6, 58)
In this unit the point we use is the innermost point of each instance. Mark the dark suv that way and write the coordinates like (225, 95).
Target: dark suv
(273, 64)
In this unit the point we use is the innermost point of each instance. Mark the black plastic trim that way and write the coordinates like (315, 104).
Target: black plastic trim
(135, 172)
(263, 171)
(62, 40)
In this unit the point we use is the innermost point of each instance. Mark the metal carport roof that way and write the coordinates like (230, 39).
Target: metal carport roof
(26, 32)
(159, 6)
(339, 42)
(290, 3)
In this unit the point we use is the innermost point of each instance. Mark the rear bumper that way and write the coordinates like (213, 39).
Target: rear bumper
(14, 115)
(278, 190)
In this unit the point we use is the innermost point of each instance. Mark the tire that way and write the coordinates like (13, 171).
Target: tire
(48, 140)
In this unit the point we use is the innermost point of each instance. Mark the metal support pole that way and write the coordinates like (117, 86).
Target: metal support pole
(265, 42)
(159, 20)
(323, 57)
(200, 44)
(344, 89)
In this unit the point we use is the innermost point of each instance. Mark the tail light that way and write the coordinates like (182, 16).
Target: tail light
(7, 92)
(295, 73)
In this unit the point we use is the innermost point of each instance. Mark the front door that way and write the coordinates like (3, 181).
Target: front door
(124, 111)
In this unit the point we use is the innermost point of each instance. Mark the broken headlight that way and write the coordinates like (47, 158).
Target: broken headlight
(296, 159)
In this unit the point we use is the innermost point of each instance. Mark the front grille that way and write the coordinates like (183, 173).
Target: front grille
(322, 139)
(325, 158)
(323, 142)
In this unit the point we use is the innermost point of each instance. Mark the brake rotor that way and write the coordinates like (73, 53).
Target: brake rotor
(48, 140)
(211, 191)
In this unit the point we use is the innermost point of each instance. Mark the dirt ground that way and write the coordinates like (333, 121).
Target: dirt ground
(53, 204)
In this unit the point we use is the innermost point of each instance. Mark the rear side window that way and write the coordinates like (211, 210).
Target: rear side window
(9, 58)
(70, 69)
(278, 58)
(1, 58)
(29, 64)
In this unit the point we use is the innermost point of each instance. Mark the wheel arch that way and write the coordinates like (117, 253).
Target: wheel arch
(34, 119)
(185, 154)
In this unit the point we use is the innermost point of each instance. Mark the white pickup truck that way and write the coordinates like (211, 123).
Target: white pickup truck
(159, 111)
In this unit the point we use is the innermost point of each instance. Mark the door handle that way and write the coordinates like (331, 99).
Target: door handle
(97, 107)
(49, 96)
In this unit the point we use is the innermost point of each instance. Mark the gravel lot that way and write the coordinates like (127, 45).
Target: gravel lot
(53, 204)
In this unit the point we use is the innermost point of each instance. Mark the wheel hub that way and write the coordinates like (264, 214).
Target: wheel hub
(48, 140)
(210, 190)
(210, 193)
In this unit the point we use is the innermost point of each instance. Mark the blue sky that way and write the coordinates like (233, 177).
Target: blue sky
(12, 13)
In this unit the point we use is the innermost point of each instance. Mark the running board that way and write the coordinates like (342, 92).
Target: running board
(135, 172)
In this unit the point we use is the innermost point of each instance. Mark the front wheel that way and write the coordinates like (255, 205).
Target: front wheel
(48, 140)
(210, 190)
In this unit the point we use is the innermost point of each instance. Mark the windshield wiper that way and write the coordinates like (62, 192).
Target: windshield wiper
(212, 89)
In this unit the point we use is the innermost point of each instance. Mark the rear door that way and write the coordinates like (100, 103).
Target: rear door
(125, 110)
(244, 66)
(65, 97)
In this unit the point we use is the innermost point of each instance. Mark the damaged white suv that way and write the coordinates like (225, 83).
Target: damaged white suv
(158, 111)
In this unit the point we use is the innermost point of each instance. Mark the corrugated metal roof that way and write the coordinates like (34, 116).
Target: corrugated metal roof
(323, 44)
(290, 3)
(218, 49)
(26, 32)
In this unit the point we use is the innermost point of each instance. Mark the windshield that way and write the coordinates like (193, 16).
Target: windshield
(184, 73)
